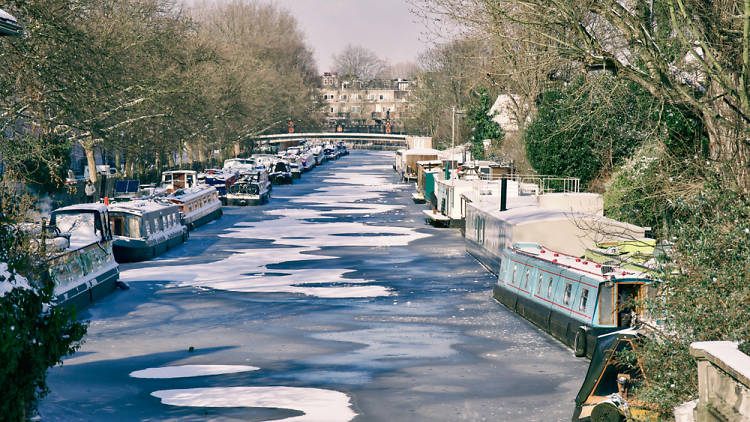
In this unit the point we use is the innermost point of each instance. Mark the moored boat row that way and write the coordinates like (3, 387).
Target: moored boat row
(583, 278)
(87, 241)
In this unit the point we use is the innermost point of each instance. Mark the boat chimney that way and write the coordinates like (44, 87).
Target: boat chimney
(503, 194)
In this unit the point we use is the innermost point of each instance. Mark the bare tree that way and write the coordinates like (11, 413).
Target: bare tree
(358, 62)
(687, 52)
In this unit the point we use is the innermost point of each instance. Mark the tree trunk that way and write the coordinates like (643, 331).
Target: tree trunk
(88, 147)
(117, 159)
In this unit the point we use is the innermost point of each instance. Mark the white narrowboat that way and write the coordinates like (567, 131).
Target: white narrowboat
(566, 222)
(144, 229)
(198, 204)
(82, 266)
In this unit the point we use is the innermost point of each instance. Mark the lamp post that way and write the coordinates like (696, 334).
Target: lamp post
(453, 128)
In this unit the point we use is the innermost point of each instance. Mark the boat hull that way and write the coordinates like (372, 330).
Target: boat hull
(90, 290)
(559, 325)
(485, 257)
(243, 202)
(139, 250)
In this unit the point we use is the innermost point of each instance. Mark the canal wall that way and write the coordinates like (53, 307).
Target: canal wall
(723, 384)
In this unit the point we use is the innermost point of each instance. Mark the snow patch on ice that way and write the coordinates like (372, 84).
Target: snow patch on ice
(318, 405)
(186, 371)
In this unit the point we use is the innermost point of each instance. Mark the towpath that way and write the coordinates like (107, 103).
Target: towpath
(334, 302)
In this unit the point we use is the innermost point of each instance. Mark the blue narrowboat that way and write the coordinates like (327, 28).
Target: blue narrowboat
(572, 298)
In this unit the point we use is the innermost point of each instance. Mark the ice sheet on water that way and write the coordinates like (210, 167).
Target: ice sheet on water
(247, 271)
(186, 371)
(389, 342)
(318, 405)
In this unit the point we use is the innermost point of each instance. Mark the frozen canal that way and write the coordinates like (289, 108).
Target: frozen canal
(335, 302)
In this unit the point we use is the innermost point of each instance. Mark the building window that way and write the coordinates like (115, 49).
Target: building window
(333, 109)
(342, 97)
(355, 109)
(382, 97)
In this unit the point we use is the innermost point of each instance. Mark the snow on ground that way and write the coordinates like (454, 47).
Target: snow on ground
(317, 404)
(187, 371)
(306, 231)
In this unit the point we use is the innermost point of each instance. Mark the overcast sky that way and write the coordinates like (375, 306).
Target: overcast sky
(384, 26)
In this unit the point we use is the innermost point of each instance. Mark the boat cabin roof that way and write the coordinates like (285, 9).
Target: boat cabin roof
(98, 207)
(421, 151)
(188, 194)
(142, 207)
(578, 265)
(176, 172)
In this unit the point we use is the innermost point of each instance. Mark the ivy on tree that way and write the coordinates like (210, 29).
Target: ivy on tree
(481, 125)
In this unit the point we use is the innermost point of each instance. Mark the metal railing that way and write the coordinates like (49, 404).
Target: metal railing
(541, 183)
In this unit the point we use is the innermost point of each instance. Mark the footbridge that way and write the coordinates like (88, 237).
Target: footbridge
(382, 141)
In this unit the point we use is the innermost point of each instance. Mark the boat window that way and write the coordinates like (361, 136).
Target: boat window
(606, 309)
(134, 227)
(526, 280)
(584, 300)
(539, 285)
(549, 288)
(84, 228)
(148, 228)
(513, 279)
(568, 293)
(118, 225)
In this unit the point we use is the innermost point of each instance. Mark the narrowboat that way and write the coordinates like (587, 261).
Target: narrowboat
(221, 179)
(143, 229)
(198, 204)
(574, 299)
(411, 157)
(280, 173)
(567, 222)
(264, 160)
(317, 152)
(250, 190)
(178, 179)
(240, 165)
(296, 170)
(330, 152)
(82, 267)
(423, 168)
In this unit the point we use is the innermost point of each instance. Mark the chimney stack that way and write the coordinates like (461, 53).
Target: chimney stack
(503, 194)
